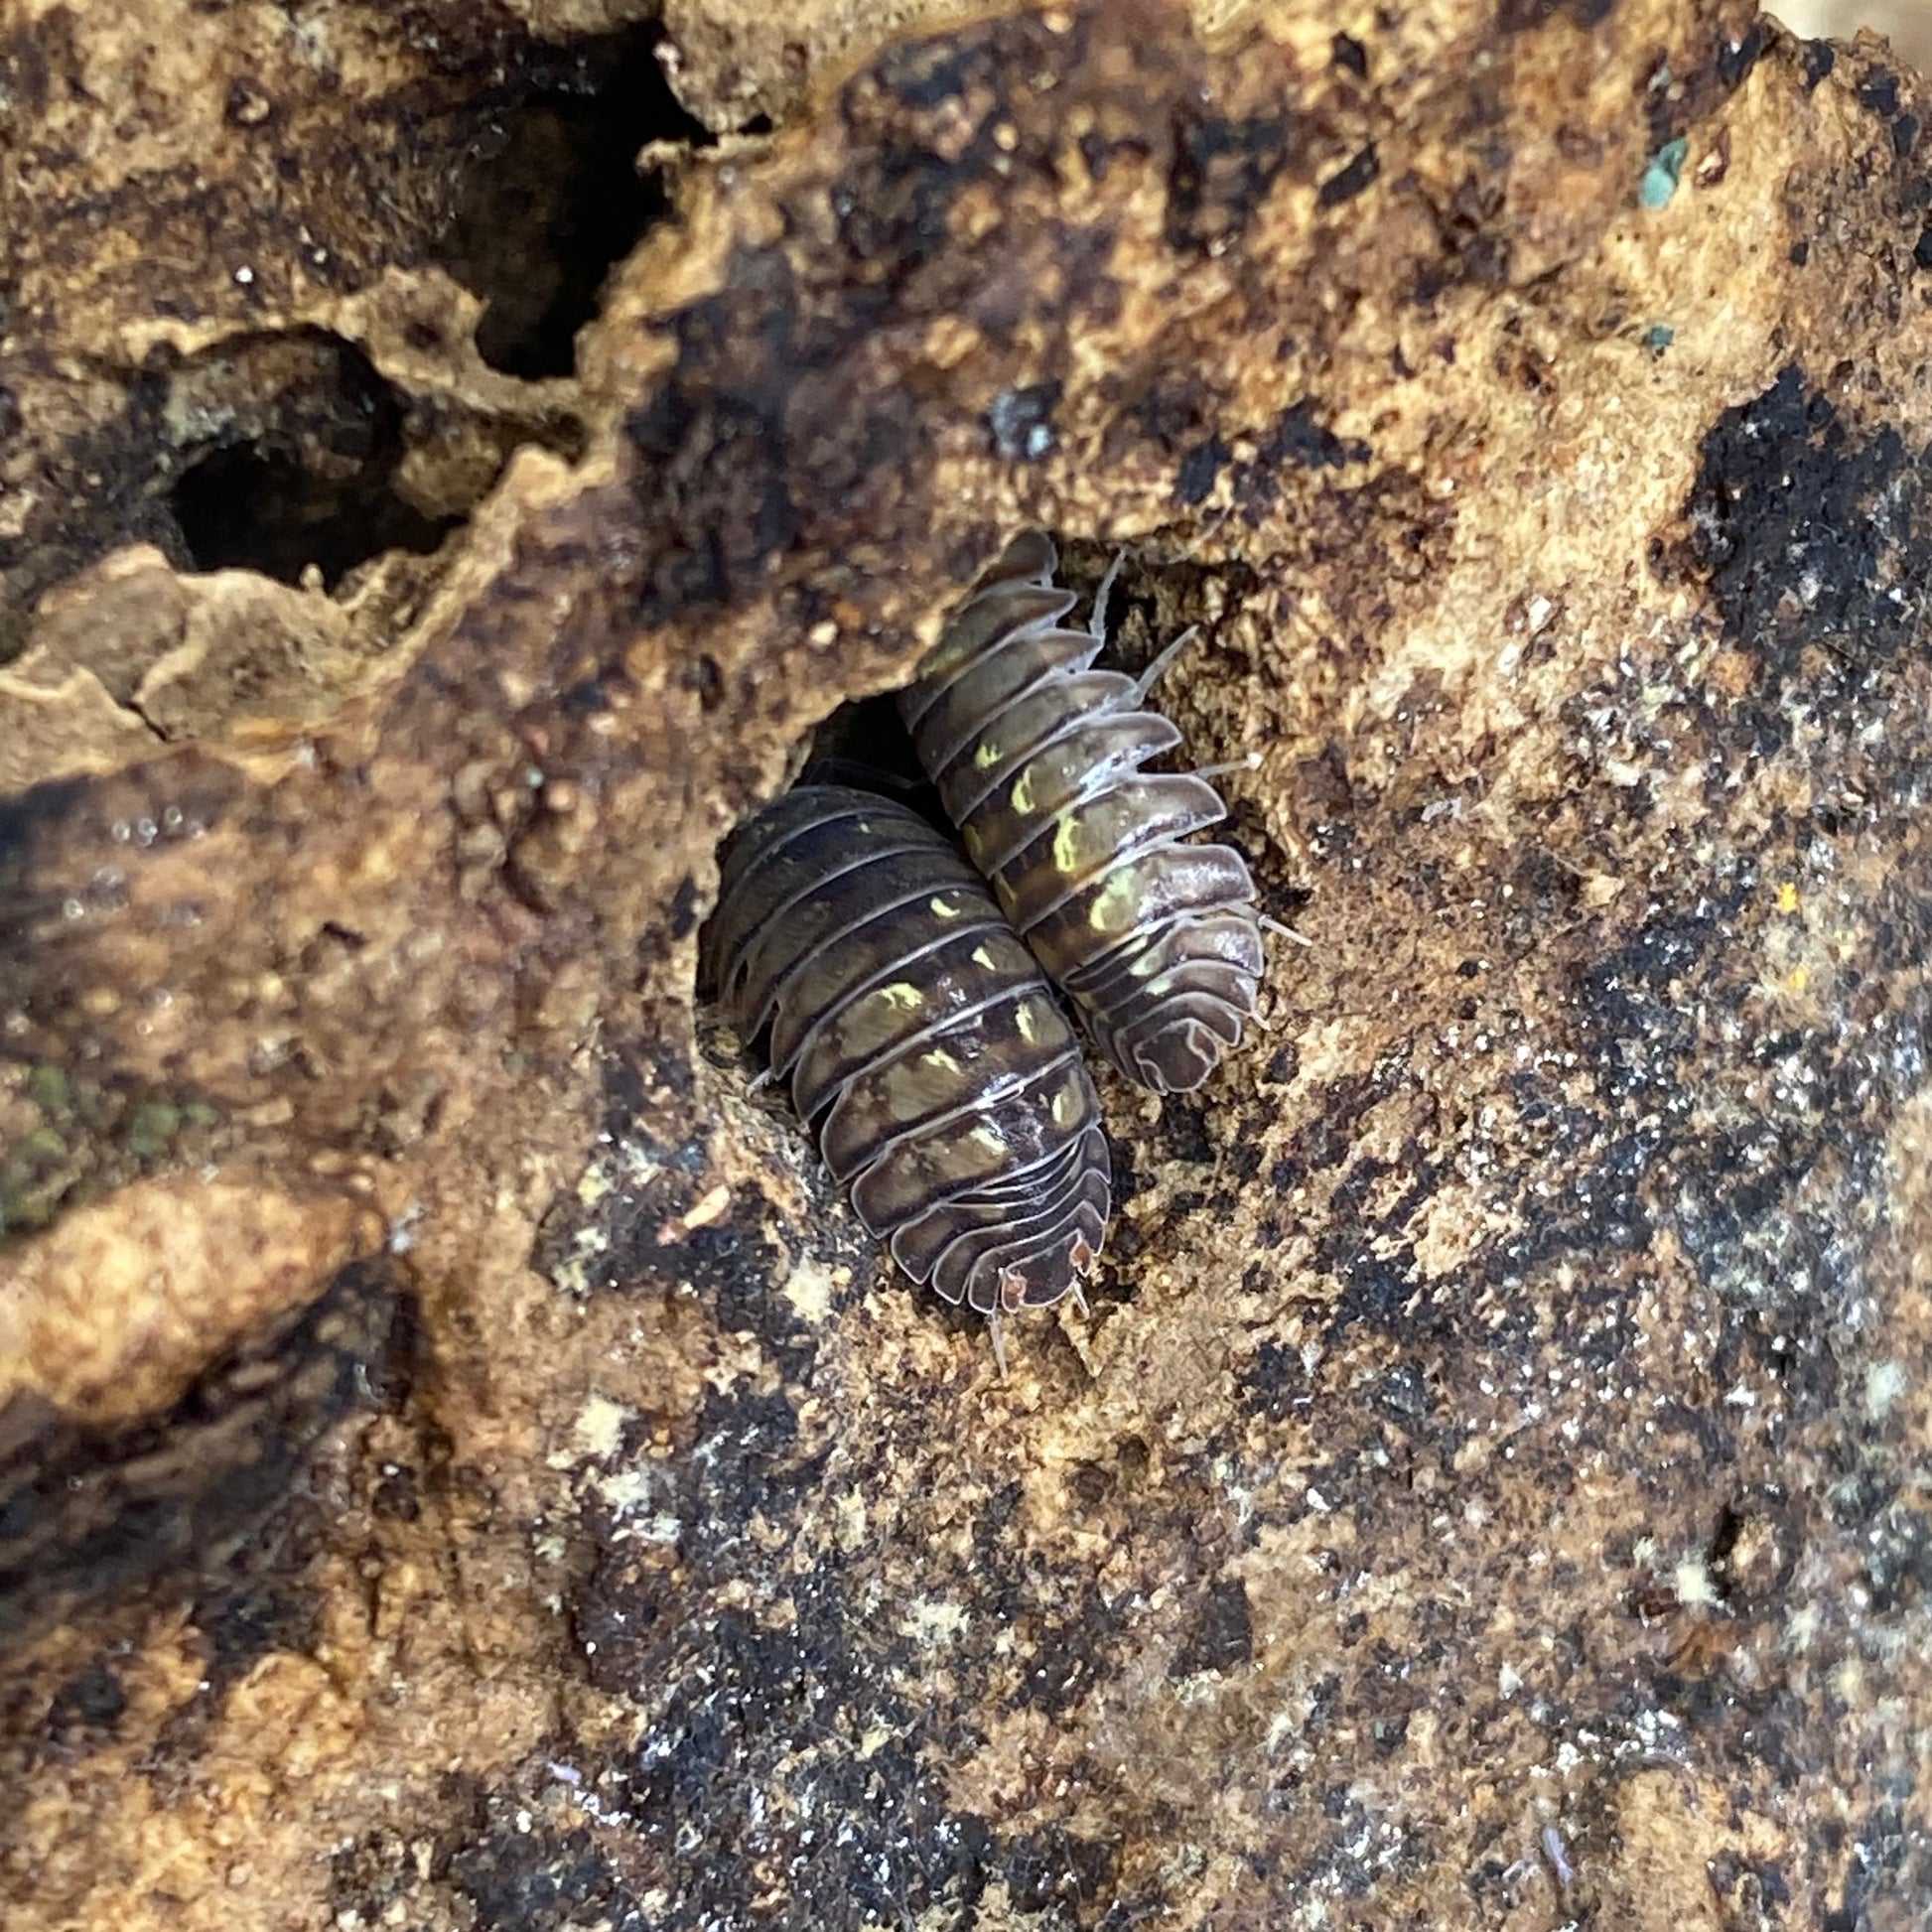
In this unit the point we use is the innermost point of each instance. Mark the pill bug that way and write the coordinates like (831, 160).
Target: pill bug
(921, 1045)
(1037, 757)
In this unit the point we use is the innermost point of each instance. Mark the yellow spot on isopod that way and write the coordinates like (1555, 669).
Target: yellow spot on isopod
(1787, 898)
(986, 755)
(985, 1137)
(1113, 906)
(943, 1060)
(1066, 1105)
(1025, 1019)
(903, 994)
(1022, 792)
(1066, 846)
(944, 909)
(982, 958)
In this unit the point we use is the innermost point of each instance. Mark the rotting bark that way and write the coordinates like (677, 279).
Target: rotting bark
(1489, 1490)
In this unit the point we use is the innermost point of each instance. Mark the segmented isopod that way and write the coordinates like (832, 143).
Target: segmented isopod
(920, 1043)
(1038, 759)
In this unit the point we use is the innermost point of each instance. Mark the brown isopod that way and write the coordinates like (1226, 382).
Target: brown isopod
(921, 1045)
(1038, 760)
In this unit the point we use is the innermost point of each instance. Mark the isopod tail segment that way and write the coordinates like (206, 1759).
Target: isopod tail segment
(919, 1043)
(1038, 761)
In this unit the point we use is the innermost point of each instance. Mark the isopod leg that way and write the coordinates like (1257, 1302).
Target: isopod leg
(1251, 762)
(1150, 676)
(1287, 932)
(998, 1334)
(1097, 618)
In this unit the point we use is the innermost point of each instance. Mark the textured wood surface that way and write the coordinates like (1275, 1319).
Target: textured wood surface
(1491, 1487)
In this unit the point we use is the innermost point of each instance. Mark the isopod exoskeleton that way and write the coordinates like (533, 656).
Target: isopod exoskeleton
(921, 1043)
(1038, 760)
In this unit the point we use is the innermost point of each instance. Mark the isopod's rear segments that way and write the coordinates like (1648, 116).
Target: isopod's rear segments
(1194, 977)
(942, 1079)
(1222, 949)
(1038, 759)
(1068, 1190)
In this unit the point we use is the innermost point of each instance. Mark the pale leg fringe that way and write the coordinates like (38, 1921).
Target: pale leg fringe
(1097, 618)
(1287, 932)
(998, 1333)
(1148, 677)
(1252, 762)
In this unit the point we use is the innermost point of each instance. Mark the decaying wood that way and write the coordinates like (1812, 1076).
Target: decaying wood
(1489, 1489)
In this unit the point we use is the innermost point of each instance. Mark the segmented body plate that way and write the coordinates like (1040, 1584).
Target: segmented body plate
(920, 1043)
(1037, 758)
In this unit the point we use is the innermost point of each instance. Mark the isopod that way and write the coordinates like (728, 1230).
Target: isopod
(1038, 760)
(920, 1043)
